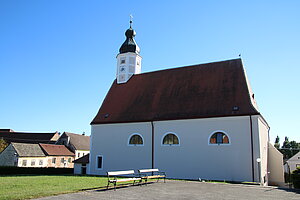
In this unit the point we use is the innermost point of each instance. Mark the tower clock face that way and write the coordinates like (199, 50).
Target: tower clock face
(122, 69)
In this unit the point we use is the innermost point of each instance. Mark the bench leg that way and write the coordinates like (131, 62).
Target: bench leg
(115, 185)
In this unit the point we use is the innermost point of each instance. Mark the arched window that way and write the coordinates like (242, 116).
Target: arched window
(219, 138)
(136, 140)
(170, 139)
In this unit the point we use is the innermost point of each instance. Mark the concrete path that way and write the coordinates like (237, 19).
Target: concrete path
(185, 190)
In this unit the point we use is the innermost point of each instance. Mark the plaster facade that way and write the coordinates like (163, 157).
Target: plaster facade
(194, 157)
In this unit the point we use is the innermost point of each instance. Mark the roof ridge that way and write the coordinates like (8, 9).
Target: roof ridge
(194, 65)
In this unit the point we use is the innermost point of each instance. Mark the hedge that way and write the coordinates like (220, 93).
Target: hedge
(34, 170)
(296, 178)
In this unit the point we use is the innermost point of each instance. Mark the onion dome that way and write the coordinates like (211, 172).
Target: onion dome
(129, 45)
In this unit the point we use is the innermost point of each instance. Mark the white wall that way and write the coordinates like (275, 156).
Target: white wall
(111, 142)
(77, 168)
(261, 141)
(293, 162)
(80, 153)
(275, 166)
(195, 158)
(34, 160)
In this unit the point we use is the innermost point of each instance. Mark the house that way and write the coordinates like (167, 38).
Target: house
(293, 163)
(192, 122)
(81, 165)
(36, 155)
(10, 135)
(58, 156)
(78, 144)
(23, 155)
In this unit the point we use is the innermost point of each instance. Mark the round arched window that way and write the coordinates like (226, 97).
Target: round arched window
(219, 138)
(136, 140)
(170, 139)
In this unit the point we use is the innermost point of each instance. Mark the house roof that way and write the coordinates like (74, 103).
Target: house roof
(296, 157)
(80, 142)
(23, 137)
(56, 150)
(83, 160)
(207, 90)
(28, 150)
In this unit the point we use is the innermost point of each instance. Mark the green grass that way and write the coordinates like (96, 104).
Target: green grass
(31, 186)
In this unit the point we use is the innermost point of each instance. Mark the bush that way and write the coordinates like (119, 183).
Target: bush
(31, 170)
(296, 178)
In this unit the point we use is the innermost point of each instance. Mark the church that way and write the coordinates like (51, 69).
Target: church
(193, 122)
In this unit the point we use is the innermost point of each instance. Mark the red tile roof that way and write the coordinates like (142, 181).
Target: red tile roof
(56, 150)
(207, 90)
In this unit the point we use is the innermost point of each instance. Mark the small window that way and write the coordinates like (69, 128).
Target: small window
(171, 139)
(122, 61)
(69, 160)
(99, 162)
(41, 162)
(24, 163)
(136, 140)
(62, 160)
(219, 138)
(53, 160)
(32, 162)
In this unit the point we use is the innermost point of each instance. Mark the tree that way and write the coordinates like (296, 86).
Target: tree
(3, 144)
(277, 143)
(289, 148)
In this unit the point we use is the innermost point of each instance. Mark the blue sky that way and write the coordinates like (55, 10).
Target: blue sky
(58, 58)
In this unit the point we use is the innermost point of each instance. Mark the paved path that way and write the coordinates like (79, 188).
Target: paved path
(184, 190)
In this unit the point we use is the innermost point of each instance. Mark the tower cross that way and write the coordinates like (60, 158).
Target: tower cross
(131, 17)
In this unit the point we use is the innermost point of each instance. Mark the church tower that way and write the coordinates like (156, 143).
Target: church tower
(128, 59)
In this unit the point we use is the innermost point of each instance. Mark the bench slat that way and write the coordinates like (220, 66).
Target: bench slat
(155, 176)
(125, 179)
(115, 173)
(148, 170)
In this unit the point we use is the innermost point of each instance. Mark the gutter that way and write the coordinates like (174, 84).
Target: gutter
(251, 141)
(152, 143)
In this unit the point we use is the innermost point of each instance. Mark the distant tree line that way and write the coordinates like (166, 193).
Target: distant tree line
(288, 148)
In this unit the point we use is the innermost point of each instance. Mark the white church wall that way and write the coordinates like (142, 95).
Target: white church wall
(111, 141)
(260, 149)
(263, 129)
(195, 158)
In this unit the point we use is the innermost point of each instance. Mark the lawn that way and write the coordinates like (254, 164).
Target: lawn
(32, 186)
